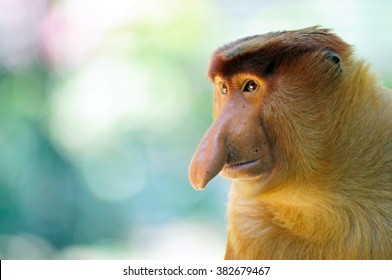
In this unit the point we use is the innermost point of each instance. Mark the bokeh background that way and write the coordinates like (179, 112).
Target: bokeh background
(102, 104)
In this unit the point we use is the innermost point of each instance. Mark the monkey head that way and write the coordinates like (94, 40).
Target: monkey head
(268, 91)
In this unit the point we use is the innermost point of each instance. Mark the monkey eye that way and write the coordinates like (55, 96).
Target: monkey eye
(250, 86)
(223, 88)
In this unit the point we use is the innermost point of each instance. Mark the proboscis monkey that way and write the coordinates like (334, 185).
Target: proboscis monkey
(304, 130)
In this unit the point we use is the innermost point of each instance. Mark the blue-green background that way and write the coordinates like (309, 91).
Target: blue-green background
(102, 104)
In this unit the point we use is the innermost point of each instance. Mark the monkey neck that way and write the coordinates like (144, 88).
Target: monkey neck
(291, 213)
(287, 194)
(303, 203)
(296, 221)
(356, 135)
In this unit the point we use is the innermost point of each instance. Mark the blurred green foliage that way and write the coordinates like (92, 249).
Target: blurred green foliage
(66, 178)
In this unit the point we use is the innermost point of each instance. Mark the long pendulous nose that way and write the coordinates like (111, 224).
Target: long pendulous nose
(213, 151)
(209, 158)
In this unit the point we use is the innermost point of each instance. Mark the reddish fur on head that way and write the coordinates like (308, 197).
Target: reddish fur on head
(259, 54)
(309, 148)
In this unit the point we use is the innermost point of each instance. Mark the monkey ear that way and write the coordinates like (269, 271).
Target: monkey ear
(333, 57)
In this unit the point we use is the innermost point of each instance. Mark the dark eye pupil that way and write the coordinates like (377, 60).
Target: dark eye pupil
(250, 86)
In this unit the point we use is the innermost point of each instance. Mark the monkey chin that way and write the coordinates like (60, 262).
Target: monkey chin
(250, 169)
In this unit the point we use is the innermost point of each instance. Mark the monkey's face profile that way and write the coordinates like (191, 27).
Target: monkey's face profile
(236, 144)
(269, 95)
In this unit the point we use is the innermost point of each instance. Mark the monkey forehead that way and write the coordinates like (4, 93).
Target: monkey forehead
(255, 53)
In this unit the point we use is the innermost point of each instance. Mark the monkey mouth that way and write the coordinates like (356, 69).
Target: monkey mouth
(241, 165)
(245, 169)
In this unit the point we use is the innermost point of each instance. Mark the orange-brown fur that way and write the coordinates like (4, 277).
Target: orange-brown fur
(328, 194)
